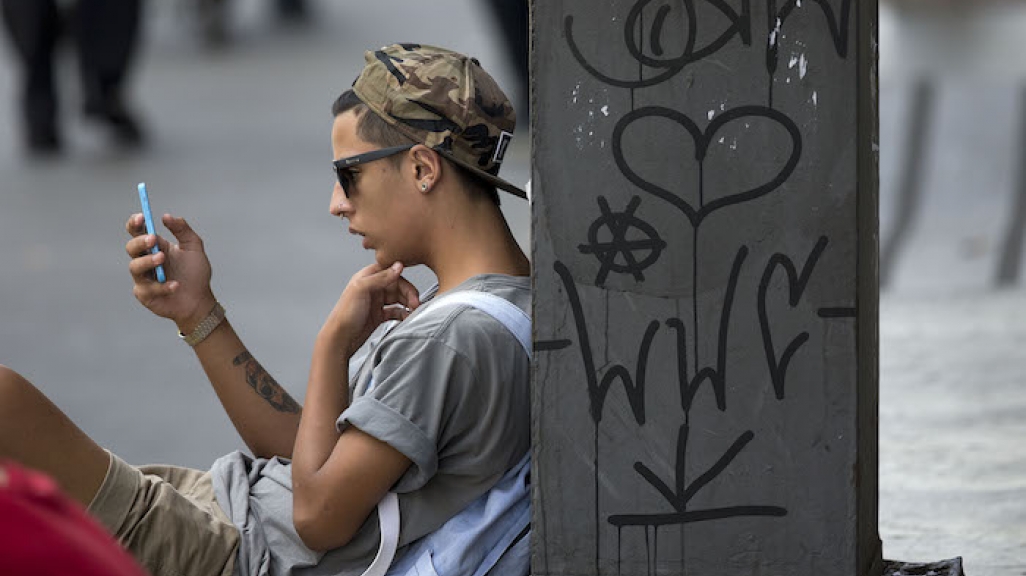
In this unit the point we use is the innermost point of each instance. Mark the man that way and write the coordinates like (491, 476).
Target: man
(437, 413)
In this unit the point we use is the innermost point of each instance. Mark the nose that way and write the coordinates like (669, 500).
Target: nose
(340, 204)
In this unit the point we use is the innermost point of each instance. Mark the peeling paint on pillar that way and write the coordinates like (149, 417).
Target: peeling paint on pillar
(704, 240)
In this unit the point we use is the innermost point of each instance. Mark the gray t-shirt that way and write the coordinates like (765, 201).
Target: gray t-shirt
(450, 391)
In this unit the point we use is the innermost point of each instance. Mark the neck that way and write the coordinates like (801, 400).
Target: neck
(475, 240)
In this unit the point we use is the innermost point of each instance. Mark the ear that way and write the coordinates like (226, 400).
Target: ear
(426, 167)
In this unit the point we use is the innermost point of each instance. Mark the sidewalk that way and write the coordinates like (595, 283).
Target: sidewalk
(952, 430)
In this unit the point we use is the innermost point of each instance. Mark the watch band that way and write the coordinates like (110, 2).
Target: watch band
(205, 327)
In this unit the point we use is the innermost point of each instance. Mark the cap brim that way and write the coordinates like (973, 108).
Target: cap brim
(493, 180)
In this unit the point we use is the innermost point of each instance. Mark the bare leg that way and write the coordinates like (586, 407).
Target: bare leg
(37, 434)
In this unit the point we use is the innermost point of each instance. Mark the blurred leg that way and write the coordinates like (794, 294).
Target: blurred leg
(107, 34)
(291, 10)
(33, 26)
(512, 17)
(212, 17)
(38, 435)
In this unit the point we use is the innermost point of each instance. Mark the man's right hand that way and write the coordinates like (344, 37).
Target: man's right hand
(186, 297)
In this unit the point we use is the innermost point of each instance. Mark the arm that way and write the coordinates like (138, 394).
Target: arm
(262, 411)
(338, 479)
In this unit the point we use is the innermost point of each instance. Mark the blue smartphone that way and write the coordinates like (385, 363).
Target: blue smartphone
(144, 199)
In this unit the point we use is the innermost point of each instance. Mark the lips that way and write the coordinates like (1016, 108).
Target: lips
(356, 232)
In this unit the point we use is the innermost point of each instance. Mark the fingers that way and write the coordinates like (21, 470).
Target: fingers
(136, 225)
(183, 232)
(187, 238)
(142, 245)
(388, 285)
(395, 313)
(375, 279)
(409, 296)
(149, 291)
(146, 287)
(142, 266)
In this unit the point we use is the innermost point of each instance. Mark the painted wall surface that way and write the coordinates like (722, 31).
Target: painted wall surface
(696, 253)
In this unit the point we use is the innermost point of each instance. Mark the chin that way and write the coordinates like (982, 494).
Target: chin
(386, 259)
(383, 259)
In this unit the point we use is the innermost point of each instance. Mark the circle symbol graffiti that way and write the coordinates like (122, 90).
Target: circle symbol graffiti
(623, 235)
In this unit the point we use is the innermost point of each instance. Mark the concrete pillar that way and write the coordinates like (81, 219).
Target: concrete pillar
(704, 243)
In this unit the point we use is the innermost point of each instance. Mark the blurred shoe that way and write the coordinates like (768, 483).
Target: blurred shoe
(124, 128)
(43, 142)
(39, 114)
(292, 11)
(212, 19)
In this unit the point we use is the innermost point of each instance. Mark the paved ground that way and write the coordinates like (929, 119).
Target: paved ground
(241, 148)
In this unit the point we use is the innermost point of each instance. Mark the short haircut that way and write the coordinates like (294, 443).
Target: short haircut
(374, 129)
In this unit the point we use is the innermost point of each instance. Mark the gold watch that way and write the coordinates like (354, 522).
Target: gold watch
(205, 327)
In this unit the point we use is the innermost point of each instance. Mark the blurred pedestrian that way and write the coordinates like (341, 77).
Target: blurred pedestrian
(511, 16)
(105, 34)
(212, 18)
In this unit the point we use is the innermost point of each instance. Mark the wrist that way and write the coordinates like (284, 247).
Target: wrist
(211, 322)
(335, 342)
(186, 324)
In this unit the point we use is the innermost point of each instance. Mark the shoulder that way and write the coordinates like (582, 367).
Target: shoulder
(451, 321)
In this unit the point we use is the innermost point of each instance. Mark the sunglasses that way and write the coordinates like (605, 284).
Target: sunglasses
(343, 166)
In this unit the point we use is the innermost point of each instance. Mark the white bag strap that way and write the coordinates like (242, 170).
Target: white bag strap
(509, 314)
(388, 520)
(519, 324)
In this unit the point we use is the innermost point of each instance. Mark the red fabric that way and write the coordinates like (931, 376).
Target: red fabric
(43, 532)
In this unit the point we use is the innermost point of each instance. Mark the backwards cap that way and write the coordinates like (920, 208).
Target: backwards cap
(444, 100)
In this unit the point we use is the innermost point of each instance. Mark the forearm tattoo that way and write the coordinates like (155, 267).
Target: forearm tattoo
(264, 384)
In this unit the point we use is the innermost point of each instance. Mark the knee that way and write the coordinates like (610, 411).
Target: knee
(8, 375)
(11, 383)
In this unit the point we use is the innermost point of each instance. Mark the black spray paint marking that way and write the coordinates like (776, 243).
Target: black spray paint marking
(796, 285)
(839, 31)
(836, 312)
(551, 345)
(678, 496)
(717, 377)
(740, 25)
(618, 224)
(598, 389)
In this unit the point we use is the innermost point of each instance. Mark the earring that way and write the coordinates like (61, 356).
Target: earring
(423, 186)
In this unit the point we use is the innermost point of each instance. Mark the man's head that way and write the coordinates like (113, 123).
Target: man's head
(444, 100)
(439, 118)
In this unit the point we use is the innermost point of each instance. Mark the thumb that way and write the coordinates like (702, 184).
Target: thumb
(187, 238)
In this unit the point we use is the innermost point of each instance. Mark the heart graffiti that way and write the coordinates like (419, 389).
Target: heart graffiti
(702, 139)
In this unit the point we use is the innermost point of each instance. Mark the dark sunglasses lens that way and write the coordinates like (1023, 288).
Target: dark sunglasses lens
(343, 178)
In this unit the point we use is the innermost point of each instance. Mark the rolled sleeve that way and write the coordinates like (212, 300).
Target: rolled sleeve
(414, 386)
(376, 418)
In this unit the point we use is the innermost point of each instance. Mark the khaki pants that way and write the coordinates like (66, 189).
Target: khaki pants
(168, 518)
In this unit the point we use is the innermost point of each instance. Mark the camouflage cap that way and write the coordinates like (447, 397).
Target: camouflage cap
(444, 100)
